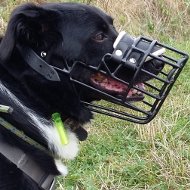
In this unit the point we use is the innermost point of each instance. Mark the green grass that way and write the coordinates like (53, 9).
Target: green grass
(119, 155)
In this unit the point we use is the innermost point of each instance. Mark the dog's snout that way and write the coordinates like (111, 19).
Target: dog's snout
(158, 65)
(154, 66)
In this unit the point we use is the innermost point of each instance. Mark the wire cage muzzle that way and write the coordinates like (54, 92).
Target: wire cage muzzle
(134, 62)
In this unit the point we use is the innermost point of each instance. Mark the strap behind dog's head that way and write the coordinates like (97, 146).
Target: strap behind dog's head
(38, 64)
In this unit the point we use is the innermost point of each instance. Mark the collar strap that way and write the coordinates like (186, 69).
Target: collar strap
(27, 165)
(57, 122)
(24, 137)
(22, 160)
(38, 64)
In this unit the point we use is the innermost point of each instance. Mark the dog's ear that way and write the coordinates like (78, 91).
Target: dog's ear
(26, 26)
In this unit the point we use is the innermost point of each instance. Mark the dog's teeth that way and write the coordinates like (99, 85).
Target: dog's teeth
(142, 85)
(105, 80)
(134, 91)
(130, 93)
(138, 92)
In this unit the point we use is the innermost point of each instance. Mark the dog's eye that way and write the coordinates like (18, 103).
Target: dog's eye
(100, 37)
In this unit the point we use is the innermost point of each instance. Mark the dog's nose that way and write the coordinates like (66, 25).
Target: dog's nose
(158, 65)
(153, 66)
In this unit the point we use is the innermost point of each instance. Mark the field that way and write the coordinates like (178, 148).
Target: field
(120, 155)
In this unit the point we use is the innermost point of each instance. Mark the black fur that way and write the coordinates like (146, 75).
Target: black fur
(67, 32)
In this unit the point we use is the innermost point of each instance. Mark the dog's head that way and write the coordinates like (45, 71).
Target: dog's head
(66, 32)
(63, 34)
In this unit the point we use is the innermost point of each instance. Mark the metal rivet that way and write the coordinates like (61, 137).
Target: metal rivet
(43, 54)
(132, 60)
(118, 53)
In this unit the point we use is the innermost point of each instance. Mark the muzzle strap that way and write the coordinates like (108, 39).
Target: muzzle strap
(38, 64)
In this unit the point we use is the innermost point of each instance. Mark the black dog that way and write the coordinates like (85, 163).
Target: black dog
(59, 34)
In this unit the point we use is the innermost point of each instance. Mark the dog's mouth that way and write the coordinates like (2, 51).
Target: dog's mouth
(116, 88)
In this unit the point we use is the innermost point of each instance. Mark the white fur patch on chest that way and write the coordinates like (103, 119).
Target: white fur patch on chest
(49, 132)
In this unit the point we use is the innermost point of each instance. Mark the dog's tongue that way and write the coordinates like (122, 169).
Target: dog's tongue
(108, 83)
(115, 87)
